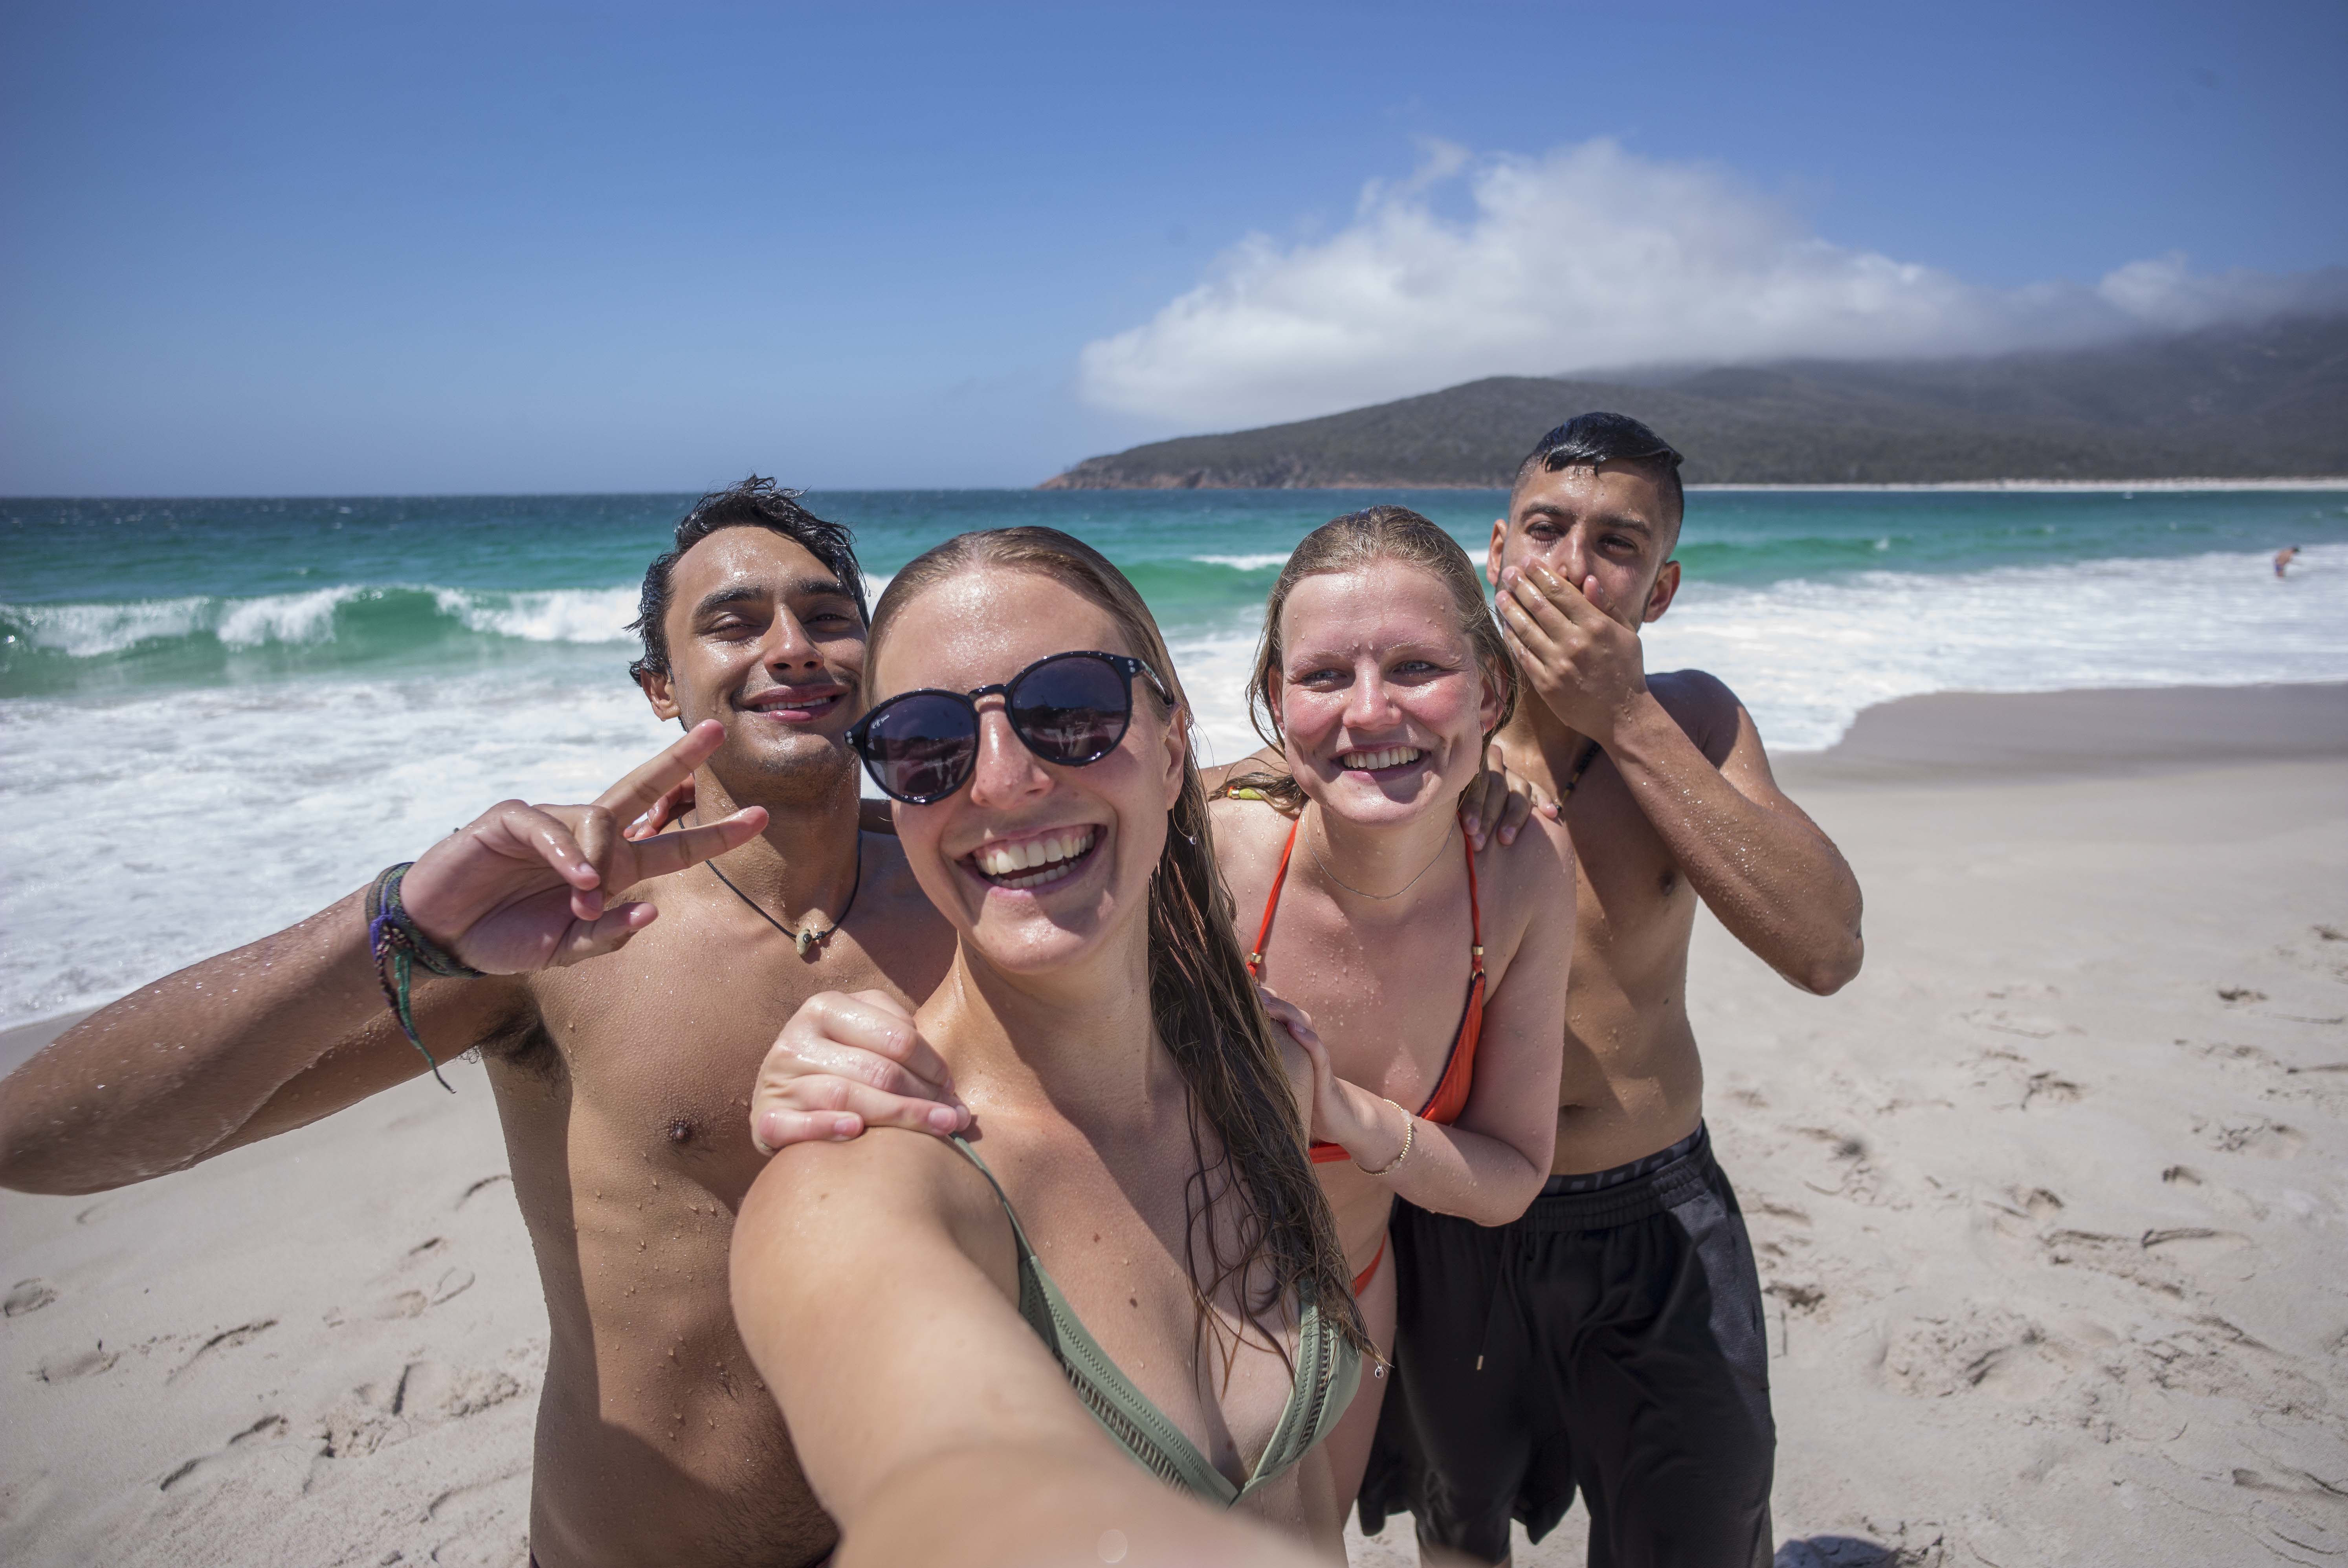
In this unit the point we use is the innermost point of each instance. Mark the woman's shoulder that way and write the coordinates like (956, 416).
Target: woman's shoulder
(1533, 874)
(811, 1194)
(1248, 815)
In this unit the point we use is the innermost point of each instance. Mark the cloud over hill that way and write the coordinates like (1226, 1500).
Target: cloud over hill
(1590, 256)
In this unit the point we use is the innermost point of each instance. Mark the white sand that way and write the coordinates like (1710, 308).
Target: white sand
(2056, 1231)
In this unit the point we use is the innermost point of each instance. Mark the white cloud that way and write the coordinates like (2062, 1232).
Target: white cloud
(1584, 257)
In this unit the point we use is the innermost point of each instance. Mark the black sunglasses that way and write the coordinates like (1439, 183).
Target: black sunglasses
(1071, 709)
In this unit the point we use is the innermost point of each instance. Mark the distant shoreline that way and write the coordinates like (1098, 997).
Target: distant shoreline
(1947, 487)
(2060, 487)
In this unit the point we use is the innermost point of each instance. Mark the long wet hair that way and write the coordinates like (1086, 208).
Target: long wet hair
(1202, 1001)
(1349, 543)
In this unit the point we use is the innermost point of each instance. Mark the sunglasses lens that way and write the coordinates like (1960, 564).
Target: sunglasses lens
(1072, 711)
(919, 747)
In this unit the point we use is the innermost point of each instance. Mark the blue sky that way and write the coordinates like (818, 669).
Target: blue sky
(358, 249)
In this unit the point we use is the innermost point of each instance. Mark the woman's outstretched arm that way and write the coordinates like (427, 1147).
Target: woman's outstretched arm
(873, 1283)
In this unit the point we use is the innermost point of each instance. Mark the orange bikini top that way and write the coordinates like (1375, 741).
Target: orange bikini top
(1450, 1097)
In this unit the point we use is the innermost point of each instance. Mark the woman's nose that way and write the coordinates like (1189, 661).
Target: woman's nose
(1369, 702)
(1005, 769)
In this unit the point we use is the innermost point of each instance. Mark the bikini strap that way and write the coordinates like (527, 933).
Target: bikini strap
(1475, 908)
(1279, 880)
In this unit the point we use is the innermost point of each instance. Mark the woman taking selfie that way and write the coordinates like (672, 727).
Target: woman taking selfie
(1124, 1247)
(1435, 975)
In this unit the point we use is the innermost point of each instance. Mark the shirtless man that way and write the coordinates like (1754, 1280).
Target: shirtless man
(1623, 1354)
(622, 1084)
(1611, 1341)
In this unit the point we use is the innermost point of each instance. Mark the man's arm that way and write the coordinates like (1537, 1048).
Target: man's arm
(1773, 878)
(294, 1027)
(872, 1282)
(1768, 873)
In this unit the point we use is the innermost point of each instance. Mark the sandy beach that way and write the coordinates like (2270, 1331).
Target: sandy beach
(2051, 1204)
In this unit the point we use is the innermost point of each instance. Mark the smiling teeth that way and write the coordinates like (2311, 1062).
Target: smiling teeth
(1006, 861)
(1390, 756)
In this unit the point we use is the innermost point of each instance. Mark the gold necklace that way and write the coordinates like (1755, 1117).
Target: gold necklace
(1380, 897)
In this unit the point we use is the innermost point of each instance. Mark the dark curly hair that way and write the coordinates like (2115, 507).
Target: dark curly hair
(754, 503)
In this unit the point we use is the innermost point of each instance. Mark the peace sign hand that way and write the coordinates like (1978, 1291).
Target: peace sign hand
(1586, 665)
(523, 888)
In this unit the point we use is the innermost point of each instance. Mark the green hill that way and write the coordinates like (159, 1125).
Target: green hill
(2226, 403)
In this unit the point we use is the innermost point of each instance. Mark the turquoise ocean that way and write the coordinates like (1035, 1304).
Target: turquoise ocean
(218, 715)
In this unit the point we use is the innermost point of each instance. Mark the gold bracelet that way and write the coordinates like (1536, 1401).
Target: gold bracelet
(1409, 1131)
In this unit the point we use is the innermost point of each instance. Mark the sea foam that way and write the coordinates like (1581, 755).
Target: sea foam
(207, 818)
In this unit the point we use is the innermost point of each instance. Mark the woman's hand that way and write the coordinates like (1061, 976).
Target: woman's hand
(524, 888)
(847, 1062)
(1369, 1127)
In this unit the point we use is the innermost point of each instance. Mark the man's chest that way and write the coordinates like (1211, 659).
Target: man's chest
(1628, 886)
(660, 1059)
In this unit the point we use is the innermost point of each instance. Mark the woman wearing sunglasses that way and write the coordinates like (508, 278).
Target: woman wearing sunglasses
(1436, 975)
(1124, 1248)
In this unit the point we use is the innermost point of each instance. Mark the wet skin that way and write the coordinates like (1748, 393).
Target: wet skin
(621, 1084)
(1677, 807)
(1373, 663)
(1079, 1111)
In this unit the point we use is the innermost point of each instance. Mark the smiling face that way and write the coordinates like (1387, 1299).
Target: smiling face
(763, 638)
(1612, 522)
(1037, 864)
(1380, 699)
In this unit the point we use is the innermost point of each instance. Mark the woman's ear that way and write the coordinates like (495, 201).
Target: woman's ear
(1178, 753)
(1495, 693)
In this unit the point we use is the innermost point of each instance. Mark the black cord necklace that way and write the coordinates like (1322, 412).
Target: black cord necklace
(805, 937)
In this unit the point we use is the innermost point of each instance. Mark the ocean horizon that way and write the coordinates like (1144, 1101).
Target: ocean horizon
(246, 706)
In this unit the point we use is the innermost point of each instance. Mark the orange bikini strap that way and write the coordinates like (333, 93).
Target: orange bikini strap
(1474, 909)
(1279, 880)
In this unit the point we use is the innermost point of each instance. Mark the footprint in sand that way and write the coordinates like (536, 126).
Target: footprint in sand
(2048, 1089)
(28, 1296)
(427, 1394)
(2029, 1026)
(68, 1365)
(2122, 1257)
(261, 1430)
(1978, 1347)
(2263, 1139)
(227, 1339)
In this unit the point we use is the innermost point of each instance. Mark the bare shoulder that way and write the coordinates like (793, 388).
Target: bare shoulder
(1248, 837)
(1247, 822)
(1521, 881)
(887, 1176)
(1703, 706)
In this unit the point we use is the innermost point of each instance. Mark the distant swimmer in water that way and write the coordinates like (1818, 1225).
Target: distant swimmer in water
(2284, 558)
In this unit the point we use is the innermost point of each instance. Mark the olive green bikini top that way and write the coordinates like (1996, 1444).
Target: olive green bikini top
(1328, 1371)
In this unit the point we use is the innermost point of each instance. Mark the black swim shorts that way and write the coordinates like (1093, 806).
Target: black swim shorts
(1610, 1341)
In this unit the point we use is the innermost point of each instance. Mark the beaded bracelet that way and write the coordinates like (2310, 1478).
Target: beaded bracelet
(397, 946)
(1409, 1131)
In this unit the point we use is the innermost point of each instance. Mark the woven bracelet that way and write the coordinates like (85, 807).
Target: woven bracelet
(396, 947)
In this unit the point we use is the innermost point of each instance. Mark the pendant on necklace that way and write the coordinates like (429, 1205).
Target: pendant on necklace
(805, 939)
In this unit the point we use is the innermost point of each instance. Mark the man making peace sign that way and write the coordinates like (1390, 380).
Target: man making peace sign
(622, 1084)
